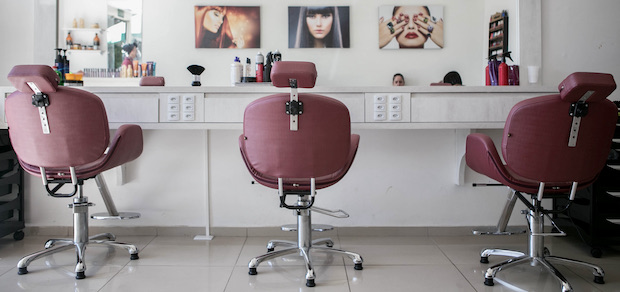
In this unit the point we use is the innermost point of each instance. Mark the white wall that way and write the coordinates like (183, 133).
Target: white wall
(16, 35)
(571, 46)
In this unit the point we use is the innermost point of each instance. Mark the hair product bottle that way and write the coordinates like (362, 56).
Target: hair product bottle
(236, 70)
(69, 40)
(259, 67)
(502, 71)
(96, 42)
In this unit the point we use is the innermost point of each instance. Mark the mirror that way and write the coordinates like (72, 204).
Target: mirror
(98, 32)
(124, 27)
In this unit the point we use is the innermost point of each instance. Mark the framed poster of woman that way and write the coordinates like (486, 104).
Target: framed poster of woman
(318, 27)
(227, 26)
(411, 27)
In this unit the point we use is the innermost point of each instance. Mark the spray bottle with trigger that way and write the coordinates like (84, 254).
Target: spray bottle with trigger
(502, 72)
(59, 63)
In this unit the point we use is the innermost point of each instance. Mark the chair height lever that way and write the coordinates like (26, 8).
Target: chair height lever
(334, 213)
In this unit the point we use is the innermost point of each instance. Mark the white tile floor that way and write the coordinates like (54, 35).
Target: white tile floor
(405, 263)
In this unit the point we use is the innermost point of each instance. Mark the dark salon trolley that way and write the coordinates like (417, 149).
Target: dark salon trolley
(595, 213)
(11, 191)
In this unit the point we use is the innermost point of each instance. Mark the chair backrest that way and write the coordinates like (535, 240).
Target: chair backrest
(321, 145)
(78, 125)
(564, 137)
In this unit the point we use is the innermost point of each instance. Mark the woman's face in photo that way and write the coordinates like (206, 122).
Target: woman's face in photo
(213, 20)
(411, 37)
(319, 25)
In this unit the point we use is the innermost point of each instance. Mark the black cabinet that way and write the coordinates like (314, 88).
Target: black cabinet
(11, 190)
(595, 213)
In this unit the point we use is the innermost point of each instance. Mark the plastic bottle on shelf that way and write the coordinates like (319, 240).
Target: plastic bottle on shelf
(502, 71)
(247, 69)
(236, 71)
(259, 67)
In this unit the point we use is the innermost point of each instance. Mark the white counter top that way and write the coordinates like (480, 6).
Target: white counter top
(267, 88)
(210, 107)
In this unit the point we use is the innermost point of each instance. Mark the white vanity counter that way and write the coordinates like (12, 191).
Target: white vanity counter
(407, 107)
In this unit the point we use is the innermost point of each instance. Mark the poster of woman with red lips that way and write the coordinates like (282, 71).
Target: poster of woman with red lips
(411, 27)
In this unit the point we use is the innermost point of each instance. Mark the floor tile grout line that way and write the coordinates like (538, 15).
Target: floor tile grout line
(453, 264)
(125, 265)
(232, 271)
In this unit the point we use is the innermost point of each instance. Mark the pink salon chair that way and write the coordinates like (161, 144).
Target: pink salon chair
(298, 144)
(552, 146)
(61, 134)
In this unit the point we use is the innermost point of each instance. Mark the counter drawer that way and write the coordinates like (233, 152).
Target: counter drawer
(131, 108)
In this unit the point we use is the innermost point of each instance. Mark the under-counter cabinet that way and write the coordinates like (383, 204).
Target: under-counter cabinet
(595, 212)
(11, 190)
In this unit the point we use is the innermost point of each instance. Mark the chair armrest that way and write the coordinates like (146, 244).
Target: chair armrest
(126, 146)
(481, 156)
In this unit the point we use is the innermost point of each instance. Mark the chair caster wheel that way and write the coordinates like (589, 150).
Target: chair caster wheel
(310, 283)
(599, 280)
(18, 235)
(80, 275)
(252, 271)
(488, 282)
(133, 256)
(22, 271)
(484, 260)
(596, 252)
(358, 267)
(270, 249)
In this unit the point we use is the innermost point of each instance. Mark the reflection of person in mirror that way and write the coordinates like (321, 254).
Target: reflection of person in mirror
(318, 27)
(213, 28)
(131, 52)
(412, 26)
(398, 80)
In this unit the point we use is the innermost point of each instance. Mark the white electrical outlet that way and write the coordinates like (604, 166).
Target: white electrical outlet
(380, 98)
(396, 98)
(188, 99)
(188, 116)
(395, 116)
(173, 107)
(380, 116)
(173, 99)
(172, 116)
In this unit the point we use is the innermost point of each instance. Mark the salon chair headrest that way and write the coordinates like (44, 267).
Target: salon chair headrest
(304, 72)
(42, 76)
(578, 84)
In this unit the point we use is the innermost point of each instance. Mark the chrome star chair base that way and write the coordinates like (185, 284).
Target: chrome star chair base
(80, 229)
(537, 253)
(304, 246)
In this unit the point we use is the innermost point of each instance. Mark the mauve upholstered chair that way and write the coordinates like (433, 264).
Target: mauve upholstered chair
(61, 134)
(298, 143)
(552, 145)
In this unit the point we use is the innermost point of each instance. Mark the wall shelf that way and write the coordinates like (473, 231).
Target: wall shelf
(85, 36)
(85, 51)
